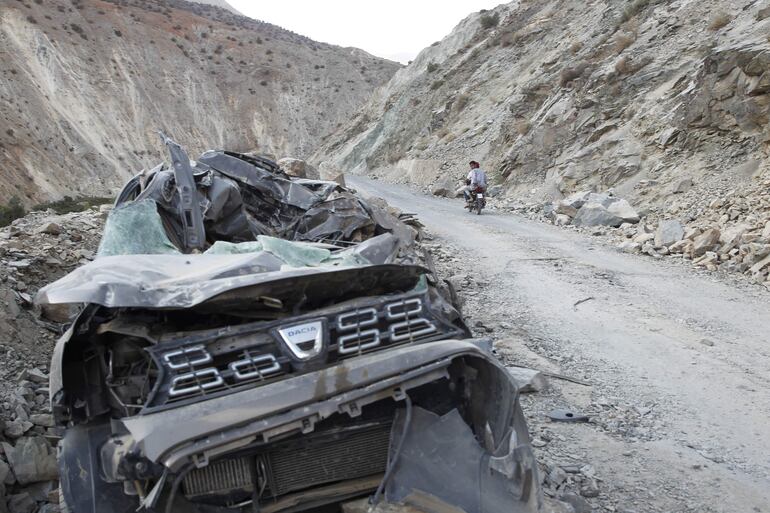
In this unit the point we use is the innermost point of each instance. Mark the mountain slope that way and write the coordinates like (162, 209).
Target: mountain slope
(85, 84)
(220, 3)
(554, 97)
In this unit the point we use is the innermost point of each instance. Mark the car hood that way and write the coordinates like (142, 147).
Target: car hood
(185, 281)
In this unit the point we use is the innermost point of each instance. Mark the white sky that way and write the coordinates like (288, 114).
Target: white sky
(394, 29)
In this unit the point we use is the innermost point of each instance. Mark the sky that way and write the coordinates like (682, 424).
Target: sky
(393, 29)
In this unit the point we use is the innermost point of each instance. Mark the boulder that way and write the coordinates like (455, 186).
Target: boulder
(629, 247)
(17, 428)
(32, 460)
(21, 503)
(668, 136)
(708, 260)
(668, 232)
(706, 241)
(759, 266)
(561, 207)
(624, 210)
(595, 214)
(298, 168)
(683, 186)
(576, 200)
(643, 237)
(50, 228)
(34, 375)
(444, 187)
(731, 237)
(42, 419)
(691, 232)
(682, 246)
(601, 198)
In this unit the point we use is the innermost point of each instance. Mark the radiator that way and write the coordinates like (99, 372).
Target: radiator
(304, 462)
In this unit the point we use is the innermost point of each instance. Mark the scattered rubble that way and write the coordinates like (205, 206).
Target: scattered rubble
(34, 250)
(726, 231)
(591, 209)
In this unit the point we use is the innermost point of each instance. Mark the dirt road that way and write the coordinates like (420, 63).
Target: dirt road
(678, 362)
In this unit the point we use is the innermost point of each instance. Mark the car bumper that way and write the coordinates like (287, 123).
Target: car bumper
(196, 433)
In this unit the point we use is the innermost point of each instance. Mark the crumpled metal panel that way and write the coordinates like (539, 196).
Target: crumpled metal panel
(442, 461)
(242, 197)
(184, 281)
(303, 396)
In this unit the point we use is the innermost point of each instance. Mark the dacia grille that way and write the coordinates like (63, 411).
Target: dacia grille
(250, 355)
(369, 329)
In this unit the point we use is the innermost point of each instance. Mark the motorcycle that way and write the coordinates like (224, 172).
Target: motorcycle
(476, 200)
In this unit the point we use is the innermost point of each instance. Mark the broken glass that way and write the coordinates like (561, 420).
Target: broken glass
(135, 228)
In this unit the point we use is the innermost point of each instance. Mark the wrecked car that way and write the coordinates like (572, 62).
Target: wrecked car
(248, 341)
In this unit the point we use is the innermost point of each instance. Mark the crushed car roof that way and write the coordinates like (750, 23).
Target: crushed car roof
(246, 224)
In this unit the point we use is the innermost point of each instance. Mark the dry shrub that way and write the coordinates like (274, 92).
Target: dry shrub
(720, 19)
(575, 47)
(633, 8)
(627, 66)
(623, 41)
(508, 37)
(622, 66)
(489, 20)
(521, 126)
(461, 102)
(569, 74)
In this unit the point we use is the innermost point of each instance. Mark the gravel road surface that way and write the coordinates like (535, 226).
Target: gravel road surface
(677, 362)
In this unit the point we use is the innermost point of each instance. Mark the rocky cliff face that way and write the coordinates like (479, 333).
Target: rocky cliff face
(556, 97)
(84, 85)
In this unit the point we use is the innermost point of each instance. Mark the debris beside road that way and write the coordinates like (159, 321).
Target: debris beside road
(726, 231)
(34, 250)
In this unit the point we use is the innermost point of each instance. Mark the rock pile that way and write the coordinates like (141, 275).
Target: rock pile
(28, 469)
(730, 233)
(591, 209)
(34, 250)
(721, 229)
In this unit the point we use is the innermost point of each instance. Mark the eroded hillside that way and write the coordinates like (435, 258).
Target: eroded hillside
(84, 85)
(555, 97)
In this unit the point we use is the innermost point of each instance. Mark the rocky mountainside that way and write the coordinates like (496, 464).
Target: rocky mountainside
(664, 102)
(219, 3)
(84, 85)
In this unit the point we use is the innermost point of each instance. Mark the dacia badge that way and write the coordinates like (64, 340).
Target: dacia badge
(304, 340)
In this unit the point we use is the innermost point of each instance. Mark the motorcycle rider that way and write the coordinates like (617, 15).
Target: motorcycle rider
(477, 179)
